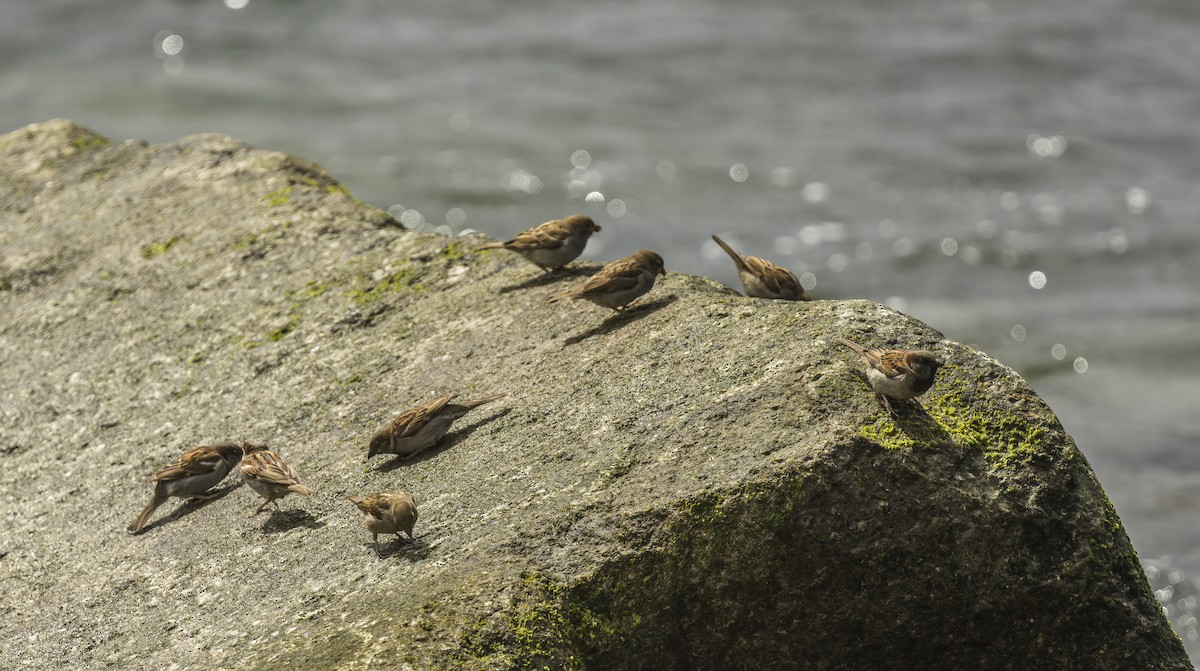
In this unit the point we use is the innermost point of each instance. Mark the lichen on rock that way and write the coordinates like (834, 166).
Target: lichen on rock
(704, 483)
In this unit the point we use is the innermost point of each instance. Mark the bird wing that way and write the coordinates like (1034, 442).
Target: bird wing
(271, 468)
(549, 235)
(196, 461)
(616, 276)
(778, 279)
(410, 421)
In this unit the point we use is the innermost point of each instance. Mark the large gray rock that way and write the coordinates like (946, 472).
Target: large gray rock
(706, 483)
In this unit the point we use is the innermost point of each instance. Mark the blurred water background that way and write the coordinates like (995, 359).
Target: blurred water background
(1024, 176)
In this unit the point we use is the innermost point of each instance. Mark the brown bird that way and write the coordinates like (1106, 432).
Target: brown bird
(422, 427)
(619, 283)
(191, 475)
(268, 474)
(551, 245)
(898, 374)
(763, 279)
(387, 513)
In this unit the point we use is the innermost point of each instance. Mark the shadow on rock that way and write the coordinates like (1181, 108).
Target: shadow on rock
(544, 278)
(620, 319)
(915, 422)
(286, 520)
(450, 440)
(190, 506)
(411, 550)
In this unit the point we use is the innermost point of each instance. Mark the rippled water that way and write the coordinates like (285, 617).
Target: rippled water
(1021, 175)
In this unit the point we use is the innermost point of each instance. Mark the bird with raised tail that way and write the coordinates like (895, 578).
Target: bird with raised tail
(422, 427)
(387, 513)
(190, 476)
(619, 283)
(551, 245)
(898, 374)
(268, 474)
(763, 279)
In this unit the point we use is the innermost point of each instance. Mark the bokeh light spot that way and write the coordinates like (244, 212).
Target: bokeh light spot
(738, 172)
(1037, 279)
(815, 192)
(665, 170)
(949, 246)
(1081, 365)
(1059, 351)
(581, 159)
(808, 281)
(1136, 199)
(594, 197)
(455, 216)
(616, 208)
(236, 4)
(1018, 332)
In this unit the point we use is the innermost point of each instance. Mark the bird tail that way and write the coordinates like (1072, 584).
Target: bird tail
(737, 258)
(300, 489)
(493, 245)
(157, 500)
(479, 402)
(857, 348)
(559, 295)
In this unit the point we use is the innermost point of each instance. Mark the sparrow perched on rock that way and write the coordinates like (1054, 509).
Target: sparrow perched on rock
(898, 374)
(190, 476)
(268, 474)
(421, 427)
(763, 279)
(387, 513)
(553, 244)
(619, 283)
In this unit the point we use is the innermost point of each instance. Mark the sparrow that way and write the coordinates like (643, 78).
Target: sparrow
(763, 279)
(619, 283)
(898, 374)
(419, 428)
(268, 474)
(551, 245)
(191, 475)
(387, 513)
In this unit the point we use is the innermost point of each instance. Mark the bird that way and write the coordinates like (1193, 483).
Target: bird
(553, 244)
(422, 427)
(619, 283)
(191, 475)
(898, 374)
(268, 474)
(763, 279)
(387, 513)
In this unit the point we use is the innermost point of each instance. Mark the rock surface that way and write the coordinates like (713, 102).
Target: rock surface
(706, 483)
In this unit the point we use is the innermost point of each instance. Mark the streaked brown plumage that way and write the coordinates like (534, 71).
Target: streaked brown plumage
(551, 245)
(387, 513)
(619, 283)
(268, 474)
(763, 279)
(190, 476)
(422, 427)
(898, 374)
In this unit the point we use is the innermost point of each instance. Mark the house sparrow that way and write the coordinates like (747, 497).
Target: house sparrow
(553, 244)
(421, 427)
(387, 513)
(763, 279)
(269, 475)
(191, 475)
(619, 283)
(898, 374)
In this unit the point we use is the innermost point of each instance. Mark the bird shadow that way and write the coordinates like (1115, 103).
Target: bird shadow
(616, 321)
(190, 506)
(914, 421)
(286, 520)
(412, 550)
(448, 441)
(545, 278)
